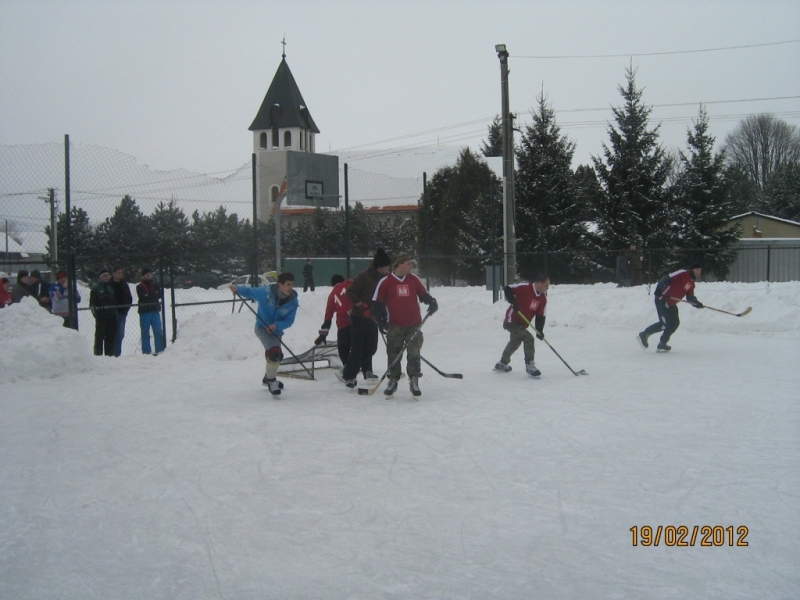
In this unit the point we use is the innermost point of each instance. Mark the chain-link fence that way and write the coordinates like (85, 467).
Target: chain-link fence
(197, 233)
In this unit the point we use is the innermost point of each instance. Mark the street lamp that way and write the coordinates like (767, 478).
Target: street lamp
(508, 171)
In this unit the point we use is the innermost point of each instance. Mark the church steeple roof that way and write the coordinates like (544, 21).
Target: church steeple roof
(283, 106)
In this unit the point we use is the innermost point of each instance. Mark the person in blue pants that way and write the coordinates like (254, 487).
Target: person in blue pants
(149, 295)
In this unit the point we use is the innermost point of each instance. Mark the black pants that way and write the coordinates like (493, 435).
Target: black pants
(668, 321)
(363, 345)
(105, 329)
(343, 340)
(308, 282)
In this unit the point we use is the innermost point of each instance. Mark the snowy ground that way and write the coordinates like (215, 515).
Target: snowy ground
(178, 476)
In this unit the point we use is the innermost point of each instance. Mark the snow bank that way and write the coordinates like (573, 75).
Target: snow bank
(35, 344)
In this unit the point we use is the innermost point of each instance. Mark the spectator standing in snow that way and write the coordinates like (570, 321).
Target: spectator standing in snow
(338, 304)
(395, 305)
(670, 289)
(635, 265)
(59, 297)
(149, 300)
(39, 289)
(308, 276)
(623, 270)
(277, 307)
(123, 299)
(364, 332)
(531, 300)
(22, 288)
(101, 303)
(5, 294)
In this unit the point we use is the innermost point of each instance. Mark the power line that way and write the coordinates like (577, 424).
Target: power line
(572, 110)
(632, 54)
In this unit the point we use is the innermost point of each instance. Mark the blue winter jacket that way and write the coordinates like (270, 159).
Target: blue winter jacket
(269, 310)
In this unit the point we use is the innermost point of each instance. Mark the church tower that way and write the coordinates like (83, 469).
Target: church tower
(284, 143)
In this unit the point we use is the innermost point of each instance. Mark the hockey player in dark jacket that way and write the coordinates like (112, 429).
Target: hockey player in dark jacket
(364, 330)
(669, 291)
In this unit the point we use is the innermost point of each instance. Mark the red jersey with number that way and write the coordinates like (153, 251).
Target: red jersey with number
(530, 302)
(680, 284)
(401, 298)
(339, 304)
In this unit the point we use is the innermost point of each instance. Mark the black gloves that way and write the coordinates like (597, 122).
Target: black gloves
(509, 295)
(698, 304)
(382, 325)
(539, 326)
(323, 332)
(433, 306)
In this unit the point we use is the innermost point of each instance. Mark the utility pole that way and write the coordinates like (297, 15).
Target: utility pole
(508, 171)
(51, 200)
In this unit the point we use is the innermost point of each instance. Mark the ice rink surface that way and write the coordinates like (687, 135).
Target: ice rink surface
(179, 476)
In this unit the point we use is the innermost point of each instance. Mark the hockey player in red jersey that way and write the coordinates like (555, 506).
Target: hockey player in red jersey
(531, 300)
(669, 291)
(396, 309)
(339, 305)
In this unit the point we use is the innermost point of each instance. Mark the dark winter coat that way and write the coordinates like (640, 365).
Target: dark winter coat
(122, 296)
(102, 301)
(20, 290)
(149, 295)
(362, 290)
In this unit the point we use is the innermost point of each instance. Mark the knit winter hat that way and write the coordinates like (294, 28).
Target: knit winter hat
(381, 259)
(695, 265)
(104, 272)
(145, 271)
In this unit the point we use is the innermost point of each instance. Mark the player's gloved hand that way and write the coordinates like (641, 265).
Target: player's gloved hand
(382, 327)
(433, 306)
(539, 335)
(323, 336)
(698, 304)
(515, 306)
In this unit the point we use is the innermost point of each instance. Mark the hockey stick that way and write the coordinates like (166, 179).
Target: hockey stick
(443, 374)
(423, 359)
(544, 339)
(258, 316)
(746, 311)
(373, 389)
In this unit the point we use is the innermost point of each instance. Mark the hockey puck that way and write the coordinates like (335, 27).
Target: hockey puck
(363, 392)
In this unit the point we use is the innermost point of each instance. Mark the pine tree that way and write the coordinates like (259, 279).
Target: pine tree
(701, 205)
(633, 174)
(82, 244)
(549, 215)
(168, 237)
(458, 220)
(494, 145)
(214, 242)
(121, 236)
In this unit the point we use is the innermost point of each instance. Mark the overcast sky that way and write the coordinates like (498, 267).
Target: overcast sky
(176, 84)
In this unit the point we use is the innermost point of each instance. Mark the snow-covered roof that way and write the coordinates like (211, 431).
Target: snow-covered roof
(763, 216)
(12, 245)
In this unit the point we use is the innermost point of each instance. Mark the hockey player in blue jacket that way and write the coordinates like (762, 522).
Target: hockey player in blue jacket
(277, 307)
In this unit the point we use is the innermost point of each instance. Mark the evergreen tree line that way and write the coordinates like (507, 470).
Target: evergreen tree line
(569, 222)
(217, 241)
(573, 222)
